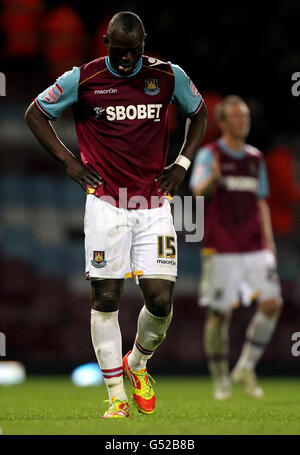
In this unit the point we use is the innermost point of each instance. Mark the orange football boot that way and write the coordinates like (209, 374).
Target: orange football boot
(143, 393)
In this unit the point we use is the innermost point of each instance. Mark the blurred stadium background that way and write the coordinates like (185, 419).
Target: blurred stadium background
(44, 297)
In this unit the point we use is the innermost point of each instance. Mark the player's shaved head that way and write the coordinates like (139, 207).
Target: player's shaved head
(125, 41)
(127, 22)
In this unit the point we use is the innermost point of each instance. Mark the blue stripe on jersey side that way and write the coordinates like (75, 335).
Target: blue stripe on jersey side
(263, 187)
(138, 67)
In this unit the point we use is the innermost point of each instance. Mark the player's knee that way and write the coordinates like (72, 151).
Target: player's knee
(105, 300)
(160, 337)
(216, 318)
(159, 304)
(271, 307)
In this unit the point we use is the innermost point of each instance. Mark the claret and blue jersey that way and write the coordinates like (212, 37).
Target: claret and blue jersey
(203, 164)
(232, 219)
(121, 121)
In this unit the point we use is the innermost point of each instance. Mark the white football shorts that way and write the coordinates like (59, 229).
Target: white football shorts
(230, 279)
(121, 243)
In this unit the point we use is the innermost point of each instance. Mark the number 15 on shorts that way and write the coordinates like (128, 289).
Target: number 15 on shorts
(166, 247)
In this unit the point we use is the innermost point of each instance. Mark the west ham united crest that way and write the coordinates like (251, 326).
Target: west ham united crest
(98, 259)
(151, 87)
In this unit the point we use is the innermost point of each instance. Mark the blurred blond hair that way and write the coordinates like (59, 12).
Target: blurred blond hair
(220, 109)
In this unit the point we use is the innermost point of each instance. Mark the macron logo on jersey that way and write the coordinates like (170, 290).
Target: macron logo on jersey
(131, 112)
(107, 91)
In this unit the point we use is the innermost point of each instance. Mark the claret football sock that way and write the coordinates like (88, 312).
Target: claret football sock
(107, 343)
(151, 332)
(258, 335)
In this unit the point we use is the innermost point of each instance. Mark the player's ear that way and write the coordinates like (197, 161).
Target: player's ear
(105, 39)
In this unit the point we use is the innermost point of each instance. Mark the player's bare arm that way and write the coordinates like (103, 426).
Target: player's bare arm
(174, 174)
(47, 137)
(266, 224)
(207, 187)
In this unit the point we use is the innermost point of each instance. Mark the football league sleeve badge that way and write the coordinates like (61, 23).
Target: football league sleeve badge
(53, 94)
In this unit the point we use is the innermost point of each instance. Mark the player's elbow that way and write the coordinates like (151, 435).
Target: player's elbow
(29, 113)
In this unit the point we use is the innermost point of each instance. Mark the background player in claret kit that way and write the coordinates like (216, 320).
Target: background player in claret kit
(238, 248)
(120, 107)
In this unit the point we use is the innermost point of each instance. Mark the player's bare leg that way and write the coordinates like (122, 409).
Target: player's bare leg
(258, 336)
(107, 342)
(153, 322)
(216, 349)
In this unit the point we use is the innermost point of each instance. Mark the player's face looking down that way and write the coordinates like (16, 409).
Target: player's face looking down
(236, 122)
(125, 50)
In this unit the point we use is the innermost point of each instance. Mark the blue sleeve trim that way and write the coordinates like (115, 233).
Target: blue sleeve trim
(40, 107)
(201, 167)
(198, 108)
(185, 96)
(263, 186)
(59, 96)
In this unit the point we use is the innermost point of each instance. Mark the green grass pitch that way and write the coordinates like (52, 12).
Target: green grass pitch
(54, 406)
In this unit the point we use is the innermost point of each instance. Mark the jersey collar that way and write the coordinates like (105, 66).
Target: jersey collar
(237, 155)
(137, 68)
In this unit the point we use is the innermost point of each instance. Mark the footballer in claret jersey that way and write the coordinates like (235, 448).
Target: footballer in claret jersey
(120, 103)
(238, 251)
